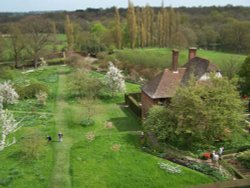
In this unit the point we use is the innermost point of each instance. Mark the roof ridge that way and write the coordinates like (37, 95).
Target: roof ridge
(202, 58)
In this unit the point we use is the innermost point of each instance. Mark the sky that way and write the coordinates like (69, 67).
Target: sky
(43, 5)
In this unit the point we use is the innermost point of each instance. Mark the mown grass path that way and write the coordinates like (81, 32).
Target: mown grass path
(61, 170)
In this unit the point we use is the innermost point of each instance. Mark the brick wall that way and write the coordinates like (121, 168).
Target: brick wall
(147, 103)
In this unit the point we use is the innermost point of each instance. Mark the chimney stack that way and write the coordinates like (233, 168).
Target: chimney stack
(175, 60)
(192, 53)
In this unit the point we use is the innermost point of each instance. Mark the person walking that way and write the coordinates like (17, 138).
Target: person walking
(215, 159)
(60, 136)
(221, 150)
(49, 138)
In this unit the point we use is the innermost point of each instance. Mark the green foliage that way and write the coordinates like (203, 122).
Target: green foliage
(33, 145)
(235, 36)
(2, 44)
(97, 29)
(200, 113)
(244, 157)
(245, 76)
(206, 169)
(6, 73)
(81, 84)
(230, 67)
(208, 111)
(56, 61)
(30, 91)
(161, 121)
(87, 122)
(97, 40)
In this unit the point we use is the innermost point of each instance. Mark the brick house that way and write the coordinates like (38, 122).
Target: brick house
(162, 88)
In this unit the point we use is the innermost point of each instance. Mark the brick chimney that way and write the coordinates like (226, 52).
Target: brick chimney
(175, 60)
(192, 53)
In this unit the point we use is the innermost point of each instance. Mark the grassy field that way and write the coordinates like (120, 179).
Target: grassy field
(162, 57)
(78, 162)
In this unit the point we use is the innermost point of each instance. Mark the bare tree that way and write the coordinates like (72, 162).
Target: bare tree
(17, 42)
(39, 34)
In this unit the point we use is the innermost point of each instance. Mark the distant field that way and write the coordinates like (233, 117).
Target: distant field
(162, 57)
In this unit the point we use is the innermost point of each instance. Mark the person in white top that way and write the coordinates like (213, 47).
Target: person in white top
(221, 150)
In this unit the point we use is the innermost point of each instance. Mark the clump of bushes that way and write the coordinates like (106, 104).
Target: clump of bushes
(244, 158)
(101, 55)
(77, 61)
(56, 61)
(33, 145)
(6, 73)
(206, 169)
(30, 91)
(87, 122)
(103, 65)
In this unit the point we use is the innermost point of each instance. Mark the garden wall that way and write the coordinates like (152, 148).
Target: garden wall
(133, 101)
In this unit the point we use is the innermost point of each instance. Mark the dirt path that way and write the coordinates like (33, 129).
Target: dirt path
(61, 171)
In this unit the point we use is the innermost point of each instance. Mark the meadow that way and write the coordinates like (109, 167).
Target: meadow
(162, 57)
(113, 157)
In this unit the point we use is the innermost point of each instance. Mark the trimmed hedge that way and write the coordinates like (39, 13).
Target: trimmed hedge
(56, 61)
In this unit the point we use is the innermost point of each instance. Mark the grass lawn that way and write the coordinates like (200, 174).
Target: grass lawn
(162, 57)
(15, 169)
(113, 159)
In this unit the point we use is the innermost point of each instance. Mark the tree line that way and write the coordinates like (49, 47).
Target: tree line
(139, 27)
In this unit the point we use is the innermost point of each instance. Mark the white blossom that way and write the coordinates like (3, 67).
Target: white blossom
(8, 95)
(8, 125)
(114, 79)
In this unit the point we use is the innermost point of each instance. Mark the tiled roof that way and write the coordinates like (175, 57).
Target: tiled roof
(166, 83)
(198, 67)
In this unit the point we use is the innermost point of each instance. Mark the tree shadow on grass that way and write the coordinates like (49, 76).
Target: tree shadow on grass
(127, 123)
(16, 155)
(133, 140)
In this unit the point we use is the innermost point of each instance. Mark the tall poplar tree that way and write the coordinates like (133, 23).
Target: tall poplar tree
(166, 27)
(131, 19)
(69, 31)
(118, 31)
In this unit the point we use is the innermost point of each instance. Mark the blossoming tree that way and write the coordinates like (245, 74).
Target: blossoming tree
(8, 93)
(114, 79)
(8, 124)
